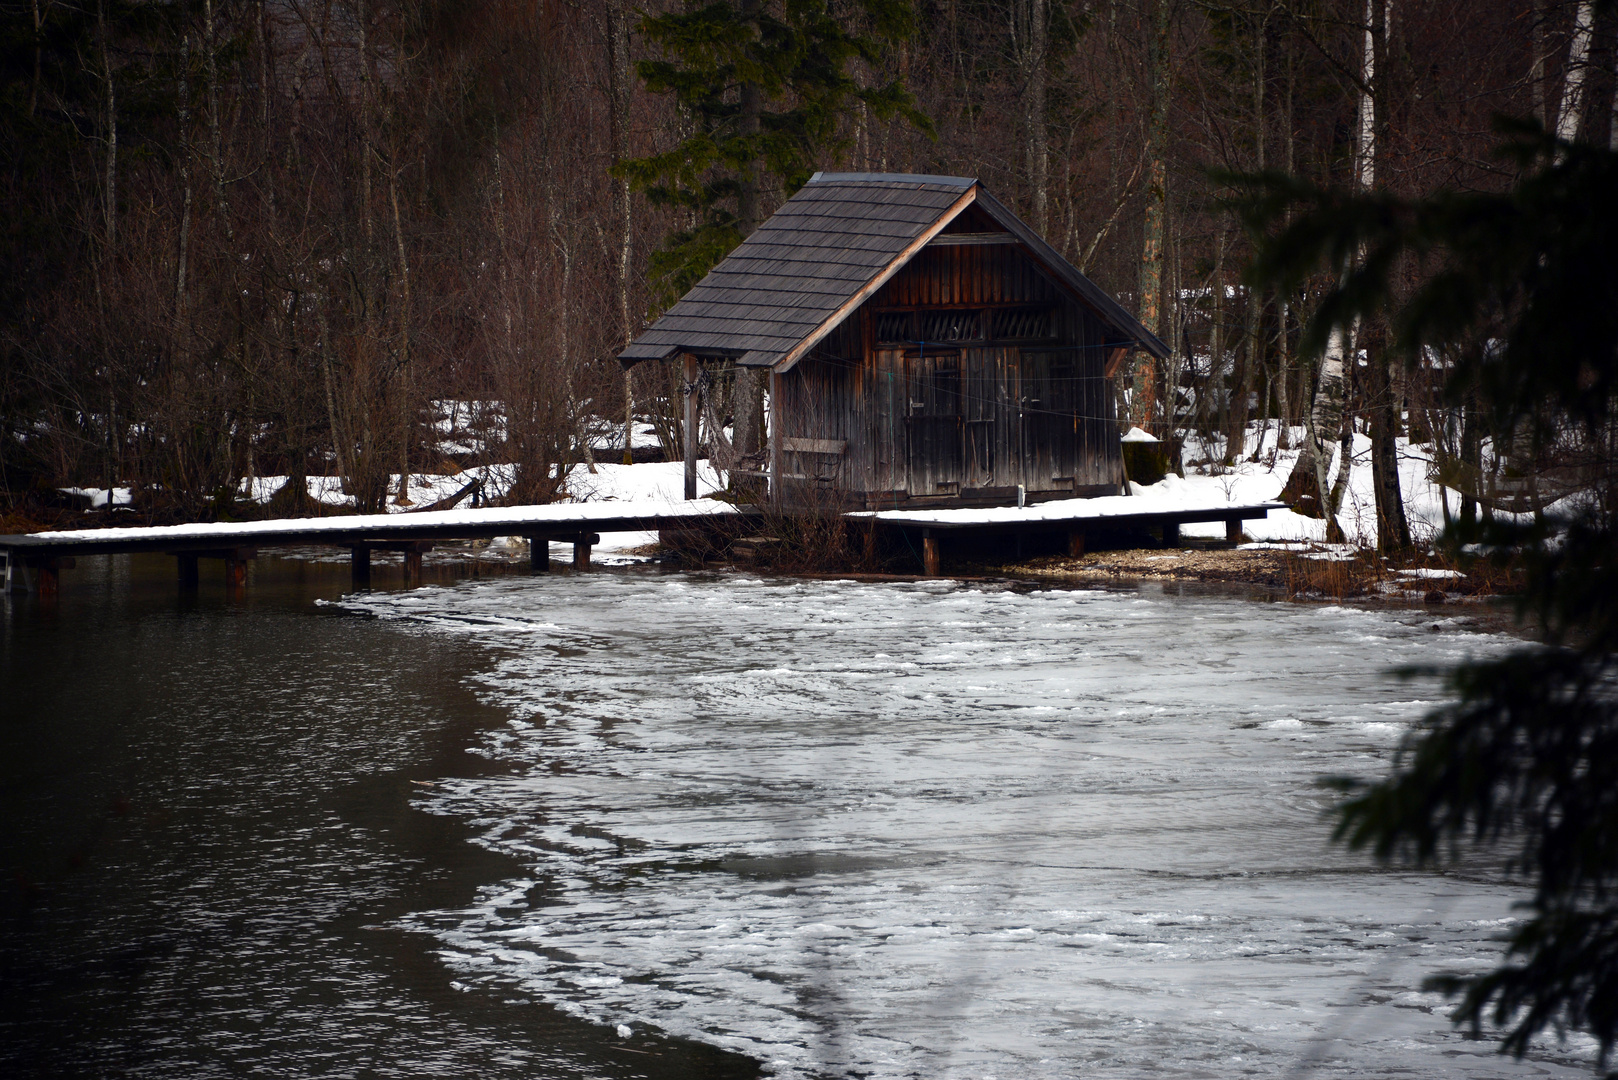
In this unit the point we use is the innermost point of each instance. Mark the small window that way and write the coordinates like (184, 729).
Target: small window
(1024, 324)
(893, 326)
(951, 325)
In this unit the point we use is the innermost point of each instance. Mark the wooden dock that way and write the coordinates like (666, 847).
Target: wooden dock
(38, 558)
(42, 556)
(1077, 518)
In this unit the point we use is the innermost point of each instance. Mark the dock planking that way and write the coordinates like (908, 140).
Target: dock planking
(47, 553)
(44, 554)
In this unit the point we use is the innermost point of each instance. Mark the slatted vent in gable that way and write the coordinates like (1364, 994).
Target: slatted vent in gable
(951, 325)
(1024, 324)
(893, 326)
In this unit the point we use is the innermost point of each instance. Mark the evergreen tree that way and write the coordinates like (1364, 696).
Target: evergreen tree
(1523, 287)
(767, 91)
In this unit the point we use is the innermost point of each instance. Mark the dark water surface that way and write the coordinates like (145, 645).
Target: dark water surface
(209, 840)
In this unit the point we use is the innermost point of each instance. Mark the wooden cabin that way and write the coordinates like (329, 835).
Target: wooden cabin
(925, 347)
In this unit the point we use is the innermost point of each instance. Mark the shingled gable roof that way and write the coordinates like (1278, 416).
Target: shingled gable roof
(828, 249)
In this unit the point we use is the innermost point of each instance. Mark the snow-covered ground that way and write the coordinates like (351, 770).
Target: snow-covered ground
(1246, 482)
(950, 831)
(1262, 480)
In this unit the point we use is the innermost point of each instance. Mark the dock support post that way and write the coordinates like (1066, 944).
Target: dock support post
(1075, 543)
(360, 566)
(186, 565)
(581, 553)
(1233, 530)
(1171, 534)
(539, 554)
(691, 433)
(236, 570)
(412, 567)
(929, 553)
(46, 582)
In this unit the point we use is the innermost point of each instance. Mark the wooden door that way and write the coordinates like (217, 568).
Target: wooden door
(885, 426)
(1008, 418)
(1052, 427)
(933, 421)
(980, 416)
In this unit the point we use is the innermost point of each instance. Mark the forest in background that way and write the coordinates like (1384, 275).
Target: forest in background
(264, 237)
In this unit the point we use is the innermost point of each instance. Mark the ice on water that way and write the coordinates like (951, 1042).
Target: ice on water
(933, 830)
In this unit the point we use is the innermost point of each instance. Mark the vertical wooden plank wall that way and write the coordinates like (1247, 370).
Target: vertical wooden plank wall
(1034, 413)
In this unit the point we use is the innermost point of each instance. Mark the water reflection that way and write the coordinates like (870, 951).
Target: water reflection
(209, 833)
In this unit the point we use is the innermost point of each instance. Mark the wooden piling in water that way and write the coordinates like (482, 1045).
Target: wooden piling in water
(236, 568)
(930, 561)
(360, 566)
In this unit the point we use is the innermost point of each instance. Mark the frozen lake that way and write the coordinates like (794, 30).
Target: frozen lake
(953, 831)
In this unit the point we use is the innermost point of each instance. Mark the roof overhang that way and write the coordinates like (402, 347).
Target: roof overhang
(1126, 332)
(1132, 334)
(869, 289)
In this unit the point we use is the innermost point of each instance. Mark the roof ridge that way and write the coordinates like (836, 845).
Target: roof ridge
(891, 178)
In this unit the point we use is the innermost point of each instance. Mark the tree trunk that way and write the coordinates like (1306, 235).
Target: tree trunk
(618, 88)
(338, 433)
(1326, 420)
(406, 408)
(1471, 462)
(1578, 58)
(111, 178)
(1283, 343)
(749, 386)
(1030, 41)
(1216, 337)
(1393, 528)
(183, 253)
(217, 155)
(1536, 65)
(1255, 298)
(39, 50)
(1143, 399)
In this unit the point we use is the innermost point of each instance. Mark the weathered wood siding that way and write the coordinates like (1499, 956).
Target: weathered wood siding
(966, 376)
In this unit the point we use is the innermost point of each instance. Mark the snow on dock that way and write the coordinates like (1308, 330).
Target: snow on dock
(1166, 506)
(545, 520)
(236, 542)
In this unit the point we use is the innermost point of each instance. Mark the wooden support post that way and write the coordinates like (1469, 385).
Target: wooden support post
(1171, 534)
(412, 566)
(929, 554)
(775, 438)
(1075, 543)
(360, 566)
(581, 552)
(691, 432)
(539, 554)
(46, 582)
(236, 569)
(186, 565)
(1233, 530)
